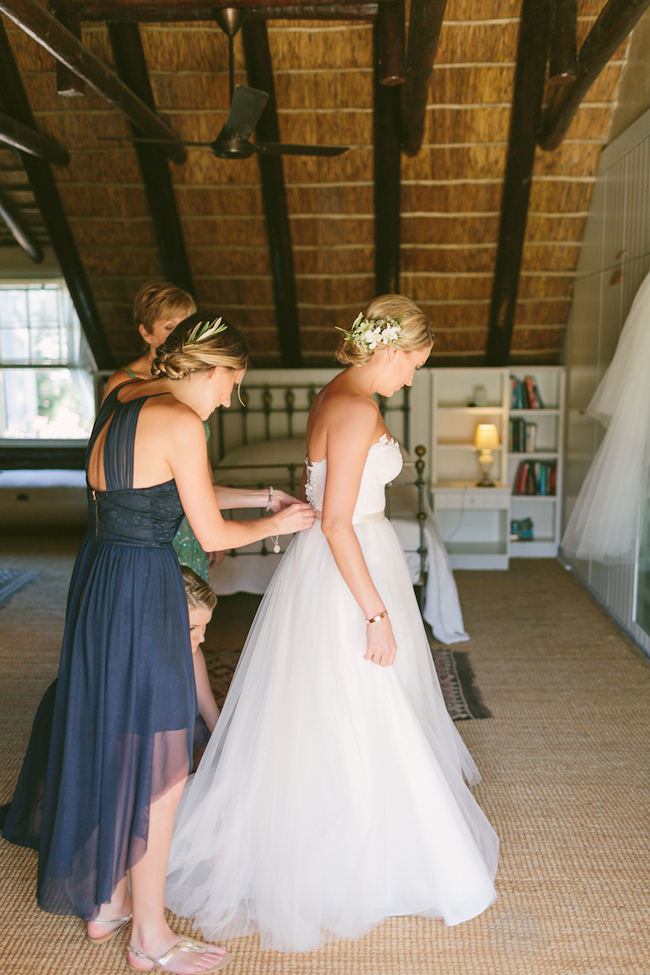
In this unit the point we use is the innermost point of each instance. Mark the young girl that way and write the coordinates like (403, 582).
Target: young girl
(201, 602)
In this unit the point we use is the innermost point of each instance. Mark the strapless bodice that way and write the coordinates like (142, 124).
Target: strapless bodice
(383, 464)
(146, 517)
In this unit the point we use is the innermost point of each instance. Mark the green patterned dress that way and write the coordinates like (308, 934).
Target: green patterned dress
(186, 543)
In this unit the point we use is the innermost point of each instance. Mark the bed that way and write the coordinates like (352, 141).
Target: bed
(261, 441)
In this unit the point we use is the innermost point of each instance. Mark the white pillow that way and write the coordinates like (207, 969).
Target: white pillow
(273, 456)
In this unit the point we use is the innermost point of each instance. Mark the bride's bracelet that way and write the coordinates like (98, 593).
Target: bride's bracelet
(270, 501)
(375, 619)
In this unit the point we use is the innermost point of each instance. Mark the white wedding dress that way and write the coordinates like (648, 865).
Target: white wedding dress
(331, 793)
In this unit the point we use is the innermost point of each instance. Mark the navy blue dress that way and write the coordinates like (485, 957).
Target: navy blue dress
(125, 702)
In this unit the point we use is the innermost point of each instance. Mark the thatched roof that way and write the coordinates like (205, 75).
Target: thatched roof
(451, 190)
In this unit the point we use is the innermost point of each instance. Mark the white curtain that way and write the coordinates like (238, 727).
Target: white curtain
(604, 522)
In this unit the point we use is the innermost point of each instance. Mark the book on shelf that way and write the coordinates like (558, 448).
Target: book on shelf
(521, 530)
(525, 394)
(522, 436)
(536, 478)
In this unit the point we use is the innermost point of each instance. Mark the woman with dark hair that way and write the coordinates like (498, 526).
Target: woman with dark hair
(113, 782)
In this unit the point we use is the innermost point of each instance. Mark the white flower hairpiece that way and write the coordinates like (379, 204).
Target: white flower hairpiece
(203, 331)
(368, 333)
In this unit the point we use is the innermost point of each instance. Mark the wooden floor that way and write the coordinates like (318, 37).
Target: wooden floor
(565, 759)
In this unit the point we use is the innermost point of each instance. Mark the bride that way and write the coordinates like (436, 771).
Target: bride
(331, 794)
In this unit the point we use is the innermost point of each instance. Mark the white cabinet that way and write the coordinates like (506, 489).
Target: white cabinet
(475, 523)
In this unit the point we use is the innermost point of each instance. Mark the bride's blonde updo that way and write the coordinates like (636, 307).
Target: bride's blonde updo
(183, 353)
(415, 327)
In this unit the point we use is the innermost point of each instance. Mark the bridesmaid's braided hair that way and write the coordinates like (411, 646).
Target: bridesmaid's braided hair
(199, 594)
(179, 356)
(417, 331)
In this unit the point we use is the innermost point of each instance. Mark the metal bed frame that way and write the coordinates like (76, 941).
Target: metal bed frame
(268, 400)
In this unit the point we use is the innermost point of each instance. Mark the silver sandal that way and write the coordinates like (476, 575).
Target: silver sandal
(122, 921)
(187, 944)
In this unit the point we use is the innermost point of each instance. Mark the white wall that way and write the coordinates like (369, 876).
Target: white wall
(614, 259)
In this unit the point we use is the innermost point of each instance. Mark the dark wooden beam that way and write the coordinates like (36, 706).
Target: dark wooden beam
(530, 72)
(15, 103)
(131, 66)
(20, 232)
(160, 11)
(614, 23)
(425, 24)
(29, 140)
(68, 84)
(563, 62)
(259, 71)
(387, 163)
(390, 43)
(32, 17)
(37, 456)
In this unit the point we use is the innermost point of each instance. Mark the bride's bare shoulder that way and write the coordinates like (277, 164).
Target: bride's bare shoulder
(344, 407)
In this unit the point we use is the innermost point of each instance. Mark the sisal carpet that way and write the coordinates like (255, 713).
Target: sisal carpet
(12, 580)
(565, 760)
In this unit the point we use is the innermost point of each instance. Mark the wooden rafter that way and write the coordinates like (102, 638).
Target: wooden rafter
(170, 11)
(68, 84)
(564, 52)
(614, 23)
(390, 43)
(30, 140)
(20, 232)
(132, 68)
(32, 17)
(532, 51)
(15, 103)
(259, 70)
(387, 168)
(425, 24)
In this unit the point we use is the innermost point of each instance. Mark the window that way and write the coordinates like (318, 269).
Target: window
(45, 368)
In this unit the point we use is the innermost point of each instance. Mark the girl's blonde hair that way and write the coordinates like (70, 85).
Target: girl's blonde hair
(198, 593)
(177, 358)
(417, 331)
(159, 301)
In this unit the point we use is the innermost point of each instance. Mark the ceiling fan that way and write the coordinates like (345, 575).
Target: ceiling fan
(246, 107)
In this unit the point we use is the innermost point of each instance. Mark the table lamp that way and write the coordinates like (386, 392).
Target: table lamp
(486, 439)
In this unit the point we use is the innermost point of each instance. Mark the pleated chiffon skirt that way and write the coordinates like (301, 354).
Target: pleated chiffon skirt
(123, 720)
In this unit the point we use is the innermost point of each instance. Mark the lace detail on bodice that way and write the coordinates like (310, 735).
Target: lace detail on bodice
(383, 464)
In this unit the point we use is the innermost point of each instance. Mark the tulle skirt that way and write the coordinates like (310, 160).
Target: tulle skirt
(331, 794)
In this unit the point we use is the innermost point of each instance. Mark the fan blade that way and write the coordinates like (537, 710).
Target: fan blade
(287, 149)
(157, 142)
(245, 110)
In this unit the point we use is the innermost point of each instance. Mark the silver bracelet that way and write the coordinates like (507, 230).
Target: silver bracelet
(270, 501)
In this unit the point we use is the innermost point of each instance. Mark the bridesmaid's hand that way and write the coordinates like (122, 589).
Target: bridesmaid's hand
(215, 558)
(381, 643)
(282, 500)
(294, 518)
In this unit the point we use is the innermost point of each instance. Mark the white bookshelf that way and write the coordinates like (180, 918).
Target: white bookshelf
(549, 421)
(475, 522)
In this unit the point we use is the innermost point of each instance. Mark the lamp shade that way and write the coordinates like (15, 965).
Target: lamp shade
(486, 437)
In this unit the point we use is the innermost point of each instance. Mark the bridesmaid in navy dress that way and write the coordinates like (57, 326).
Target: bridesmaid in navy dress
(114, 781)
